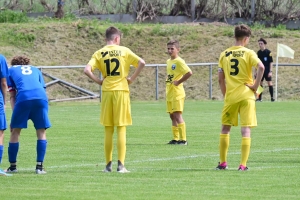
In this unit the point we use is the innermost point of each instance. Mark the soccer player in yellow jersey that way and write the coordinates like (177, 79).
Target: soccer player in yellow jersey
(238, 89)
(177, 73)
(114, 62)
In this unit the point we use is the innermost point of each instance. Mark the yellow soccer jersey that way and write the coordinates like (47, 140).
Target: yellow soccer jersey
(237, 63)
(175, 70)
(114, 61)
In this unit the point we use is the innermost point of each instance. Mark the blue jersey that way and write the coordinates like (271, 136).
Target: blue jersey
(28, 82)
(3, 74)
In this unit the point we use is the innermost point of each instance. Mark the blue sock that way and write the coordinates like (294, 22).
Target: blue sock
(41, 146)
(1, 153)
(13, 149)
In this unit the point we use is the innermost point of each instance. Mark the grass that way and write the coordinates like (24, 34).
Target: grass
(75, 156)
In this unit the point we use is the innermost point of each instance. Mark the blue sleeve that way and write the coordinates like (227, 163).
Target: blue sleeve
(41, 79)
(3, 67)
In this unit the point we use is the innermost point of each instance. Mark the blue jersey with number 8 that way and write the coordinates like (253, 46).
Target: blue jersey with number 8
(27, 81)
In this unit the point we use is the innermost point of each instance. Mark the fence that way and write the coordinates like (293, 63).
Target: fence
(202, 85)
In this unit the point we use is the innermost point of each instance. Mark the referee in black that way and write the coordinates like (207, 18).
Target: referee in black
(265, 56)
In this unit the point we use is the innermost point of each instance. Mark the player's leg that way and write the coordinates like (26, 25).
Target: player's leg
(271, 90)
(107, 120)
(248, 120)
(18, 121)
(2, 128)
(122, 118)
(108, 147)
(178, 106)
(121, 145)
(174, 127)
(229, 118)
(41, 148)
(40, 119)
(13, 149)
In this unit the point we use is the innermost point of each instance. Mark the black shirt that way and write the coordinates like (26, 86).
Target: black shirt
(266, 58)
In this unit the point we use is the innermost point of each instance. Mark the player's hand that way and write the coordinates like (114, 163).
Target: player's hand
(270, 74)
(175, 83)
(129, 81)
(252, 87)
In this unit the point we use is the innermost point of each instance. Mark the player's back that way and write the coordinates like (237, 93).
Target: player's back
(237, 63)
(28, 81)
(114, 63)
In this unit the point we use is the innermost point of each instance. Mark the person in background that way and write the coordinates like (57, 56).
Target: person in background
(238, 89)
(114, 62)
(3, 125)
(177, 73)
(266, 58)
(28, 100)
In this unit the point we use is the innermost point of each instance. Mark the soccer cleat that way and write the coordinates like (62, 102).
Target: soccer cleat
(108, 167)
(182, 142)
(222, 166)
(272, 99)
(242, 168)
(2, 173)
(40, 169)
(12, 169)
(173, 142)
(258, 100)
(121, 168)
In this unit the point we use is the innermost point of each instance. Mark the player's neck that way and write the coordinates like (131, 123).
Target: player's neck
(174, 57)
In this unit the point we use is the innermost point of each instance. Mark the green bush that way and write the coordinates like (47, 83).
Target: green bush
(9, 16)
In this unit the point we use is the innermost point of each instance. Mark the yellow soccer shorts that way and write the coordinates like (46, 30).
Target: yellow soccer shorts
(175, 106)
(247, 111)
(115, 108)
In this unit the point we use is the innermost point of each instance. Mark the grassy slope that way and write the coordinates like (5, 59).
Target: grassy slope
(73, 43)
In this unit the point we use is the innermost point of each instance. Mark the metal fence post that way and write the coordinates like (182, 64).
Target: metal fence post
(156, 79)
(193, 9)
(210, 81)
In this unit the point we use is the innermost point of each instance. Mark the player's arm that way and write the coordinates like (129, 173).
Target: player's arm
(89, 73)
(183, 78)
(138, 70)
(271, 64)
(12, 98)
(4, 89)
(222, 84)
(259, 74)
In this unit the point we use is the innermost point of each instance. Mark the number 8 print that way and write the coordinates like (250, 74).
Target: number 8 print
(26, 70)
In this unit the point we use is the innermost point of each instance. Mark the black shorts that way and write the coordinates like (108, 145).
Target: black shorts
(265, 76)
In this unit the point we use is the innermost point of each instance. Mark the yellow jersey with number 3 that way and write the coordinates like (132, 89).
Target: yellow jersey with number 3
(176, 68)
(114, 62)
(237, 63)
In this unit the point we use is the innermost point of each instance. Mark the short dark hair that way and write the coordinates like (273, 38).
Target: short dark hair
(262, 40)
(20, 60)
(174, 42)
(242, 31)
(111, 32)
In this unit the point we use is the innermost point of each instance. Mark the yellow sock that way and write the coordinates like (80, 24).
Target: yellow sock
(182, 131)
(108, 143)
(223, 147)
(175, 132)
(121, 143)
(245, 150)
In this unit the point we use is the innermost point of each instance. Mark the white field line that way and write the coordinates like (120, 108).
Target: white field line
(176, 158)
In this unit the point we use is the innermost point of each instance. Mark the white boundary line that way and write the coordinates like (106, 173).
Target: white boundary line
(178, 158)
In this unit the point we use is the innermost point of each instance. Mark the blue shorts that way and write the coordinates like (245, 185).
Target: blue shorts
(3, 125)
(36, 110)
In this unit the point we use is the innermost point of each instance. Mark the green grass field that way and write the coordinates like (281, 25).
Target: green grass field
(75, 157)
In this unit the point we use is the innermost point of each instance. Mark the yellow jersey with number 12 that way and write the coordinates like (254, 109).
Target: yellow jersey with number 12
(114, 61)
(237, 63)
